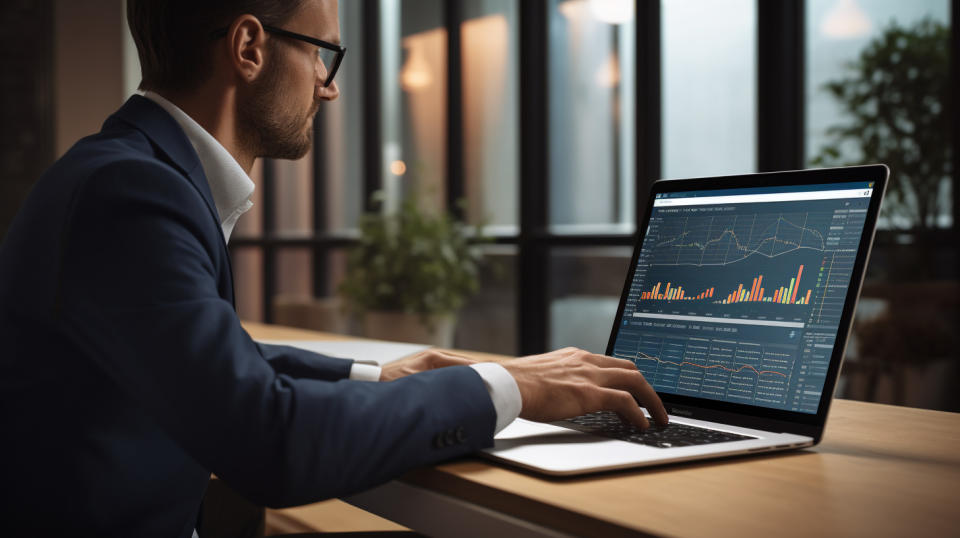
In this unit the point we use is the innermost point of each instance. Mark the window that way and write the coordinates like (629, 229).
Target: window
(433, 98)
(592, 82)
(709, 87)
(877, 86)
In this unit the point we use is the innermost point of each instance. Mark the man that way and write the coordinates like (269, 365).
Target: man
(126, 378)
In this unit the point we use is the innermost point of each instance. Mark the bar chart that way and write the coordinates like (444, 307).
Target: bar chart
(752, 293)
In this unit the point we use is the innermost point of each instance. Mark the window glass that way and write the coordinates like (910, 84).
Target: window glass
(490, 86)
(585, 288)
(488, 322)
(591, 84)
(413, 58)
(248, 282)
(293, 197)
(876, 87)
(709, 84)
(340, 129)
(294, 272)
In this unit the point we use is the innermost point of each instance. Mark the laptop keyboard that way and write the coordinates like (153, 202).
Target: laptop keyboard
(608, 424)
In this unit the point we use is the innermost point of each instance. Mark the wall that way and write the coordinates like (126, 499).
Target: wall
(26, 140)
(88, 66)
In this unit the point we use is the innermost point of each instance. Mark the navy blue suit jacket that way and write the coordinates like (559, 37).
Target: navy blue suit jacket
(126, 378)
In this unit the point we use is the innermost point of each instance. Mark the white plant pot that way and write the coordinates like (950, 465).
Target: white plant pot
(407, 327)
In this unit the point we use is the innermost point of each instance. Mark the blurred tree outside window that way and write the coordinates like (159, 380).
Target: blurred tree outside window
(895, 95)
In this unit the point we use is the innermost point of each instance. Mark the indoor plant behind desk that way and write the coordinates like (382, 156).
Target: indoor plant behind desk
(410, 273)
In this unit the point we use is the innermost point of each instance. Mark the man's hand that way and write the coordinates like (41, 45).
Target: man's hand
(421, 362)
(570, 382)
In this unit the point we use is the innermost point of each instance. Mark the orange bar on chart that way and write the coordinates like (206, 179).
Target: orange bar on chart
(806, 300)
(711, 292)
(793, 296)
(759, 296)
(776, 296)
(739, 293)
(753, 290)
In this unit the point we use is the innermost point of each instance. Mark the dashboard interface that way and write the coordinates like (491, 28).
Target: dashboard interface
(738, 294)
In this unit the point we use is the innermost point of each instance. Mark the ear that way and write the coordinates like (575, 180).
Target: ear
(247, 41)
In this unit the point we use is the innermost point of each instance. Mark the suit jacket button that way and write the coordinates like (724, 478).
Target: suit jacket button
(461, 435)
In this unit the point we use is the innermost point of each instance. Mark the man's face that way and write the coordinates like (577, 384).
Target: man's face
(277, 110)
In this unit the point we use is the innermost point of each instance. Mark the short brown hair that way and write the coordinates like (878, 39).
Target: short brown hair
(173, 37)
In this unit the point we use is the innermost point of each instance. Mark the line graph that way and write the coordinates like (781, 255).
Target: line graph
(644, 356)
(737, 370)
(721, 240)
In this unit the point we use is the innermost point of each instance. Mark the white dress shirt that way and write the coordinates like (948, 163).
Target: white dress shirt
(232, 188)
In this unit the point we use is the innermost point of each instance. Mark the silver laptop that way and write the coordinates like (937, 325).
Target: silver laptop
(736, 308)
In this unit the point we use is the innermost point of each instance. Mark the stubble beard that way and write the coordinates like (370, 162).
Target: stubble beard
(266, 128)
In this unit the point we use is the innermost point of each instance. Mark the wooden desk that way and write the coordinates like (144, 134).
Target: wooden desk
(880, 471)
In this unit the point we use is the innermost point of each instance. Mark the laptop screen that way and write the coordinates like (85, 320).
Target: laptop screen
(738, 294)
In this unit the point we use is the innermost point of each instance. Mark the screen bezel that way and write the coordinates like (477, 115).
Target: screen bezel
(806, 423)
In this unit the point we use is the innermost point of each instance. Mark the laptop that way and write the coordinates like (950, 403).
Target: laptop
(736, 308)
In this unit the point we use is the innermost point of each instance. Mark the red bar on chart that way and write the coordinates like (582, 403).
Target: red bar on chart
(793, 296)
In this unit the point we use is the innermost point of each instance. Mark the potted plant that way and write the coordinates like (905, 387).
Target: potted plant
(410, 273)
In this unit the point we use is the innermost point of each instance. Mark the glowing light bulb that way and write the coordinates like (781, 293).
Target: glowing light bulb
(398, 167)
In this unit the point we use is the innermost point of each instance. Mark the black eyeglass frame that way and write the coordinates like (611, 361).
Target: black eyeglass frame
(340, 50)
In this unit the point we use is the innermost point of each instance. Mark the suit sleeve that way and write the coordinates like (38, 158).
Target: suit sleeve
(300, 363)
(139, 297)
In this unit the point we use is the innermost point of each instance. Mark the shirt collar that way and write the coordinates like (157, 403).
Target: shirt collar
(229, 183)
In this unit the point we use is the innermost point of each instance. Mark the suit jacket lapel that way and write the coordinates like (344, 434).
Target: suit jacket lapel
(170, 140)
(168, 137)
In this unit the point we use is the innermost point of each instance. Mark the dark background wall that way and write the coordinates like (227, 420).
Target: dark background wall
(26, 100)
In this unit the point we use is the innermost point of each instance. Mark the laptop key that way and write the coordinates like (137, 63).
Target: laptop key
(608, 424)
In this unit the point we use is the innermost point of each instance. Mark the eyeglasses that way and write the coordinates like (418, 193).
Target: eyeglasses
(328, 54)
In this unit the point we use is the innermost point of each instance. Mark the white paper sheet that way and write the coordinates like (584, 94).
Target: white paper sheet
(369, 351)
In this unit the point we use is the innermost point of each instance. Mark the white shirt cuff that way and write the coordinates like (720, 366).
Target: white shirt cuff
(503, 391)
(361, 371)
